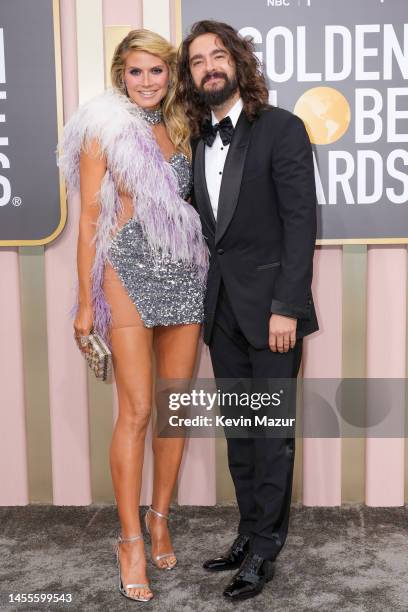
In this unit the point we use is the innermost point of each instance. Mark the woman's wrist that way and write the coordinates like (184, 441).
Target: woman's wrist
(85, 302)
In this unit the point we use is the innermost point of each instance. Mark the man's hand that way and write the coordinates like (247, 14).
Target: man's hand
(282, 333)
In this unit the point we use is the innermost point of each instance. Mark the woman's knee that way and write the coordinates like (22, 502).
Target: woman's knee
(135, 417)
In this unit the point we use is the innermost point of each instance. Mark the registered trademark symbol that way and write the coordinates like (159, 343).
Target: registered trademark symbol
(16, 201)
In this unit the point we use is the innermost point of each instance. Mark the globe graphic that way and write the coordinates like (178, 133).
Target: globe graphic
(325, 112)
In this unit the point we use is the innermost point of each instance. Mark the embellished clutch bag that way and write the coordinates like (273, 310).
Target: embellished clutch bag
(97, 355)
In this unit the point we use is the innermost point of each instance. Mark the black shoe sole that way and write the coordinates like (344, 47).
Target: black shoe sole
(222, 569)
(247, 595)
(241, 597)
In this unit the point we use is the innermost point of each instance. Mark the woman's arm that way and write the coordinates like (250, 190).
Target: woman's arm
(92, 168)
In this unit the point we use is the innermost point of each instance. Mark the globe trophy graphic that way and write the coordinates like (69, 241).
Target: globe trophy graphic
(325, 112)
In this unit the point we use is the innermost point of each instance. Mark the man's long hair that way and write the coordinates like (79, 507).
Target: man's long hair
(251, 82)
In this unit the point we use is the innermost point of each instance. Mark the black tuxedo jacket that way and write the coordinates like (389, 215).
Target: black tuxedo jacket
(263, 241)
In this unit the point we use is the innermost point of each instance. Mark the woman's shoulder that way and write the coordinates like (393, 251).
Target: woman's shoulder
(108, 119)
(96, 123)
(109, 110)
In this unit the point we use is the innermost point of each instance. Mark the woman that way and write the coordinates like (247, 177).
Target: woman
(142, 263)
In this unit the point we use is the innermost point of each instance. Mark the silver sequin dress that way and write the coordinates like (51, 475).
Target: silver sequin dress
(164, 292)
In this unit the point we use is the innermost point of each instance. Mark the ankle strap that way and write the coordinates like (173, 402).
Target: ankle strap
(165, 516)
(131, 539)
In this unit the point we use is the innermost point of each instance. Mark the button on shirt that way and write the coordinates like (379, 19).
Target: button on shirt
(215, 157)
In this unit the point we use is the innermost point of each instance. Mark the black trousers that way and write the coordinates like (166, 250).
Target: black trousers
(261, 467)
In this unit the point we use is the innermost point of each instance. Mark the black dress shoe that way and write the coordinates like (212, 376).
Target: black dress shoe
(232, 559)
(250, 579)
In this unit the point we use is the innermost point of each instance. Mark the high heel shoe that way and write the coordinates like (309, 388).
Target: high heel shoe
(163, 555)
(130, 586)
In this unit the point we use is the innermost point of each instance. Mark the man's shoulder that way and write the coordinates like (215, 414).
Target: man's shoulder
(194, 140)
(277, 115)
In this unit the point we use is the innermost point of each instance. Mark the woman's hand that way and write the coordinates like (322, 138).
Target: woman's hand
(83, 324)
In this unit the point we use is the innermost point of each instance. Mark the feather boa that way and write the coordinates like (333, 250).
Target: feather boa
(136, 164)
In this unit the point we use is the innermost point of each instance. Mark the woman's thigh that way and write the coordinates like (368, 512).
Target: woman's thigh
(131, 349)
(175, 350)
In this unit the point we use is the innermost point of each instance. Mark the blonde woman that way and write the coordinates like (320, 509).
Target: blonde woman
(142, 263)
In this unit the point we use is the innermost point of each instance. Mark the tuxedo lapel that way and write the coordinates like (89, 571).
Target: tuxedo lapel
(200, 188)
(232, 175)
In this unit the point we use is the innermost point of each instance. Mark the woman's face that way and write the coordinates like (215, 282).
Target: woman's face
(147, 78)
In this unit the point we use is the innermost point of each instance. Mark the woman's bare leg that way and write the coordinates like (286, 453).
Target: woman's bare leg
(132, 362)
(175, 349)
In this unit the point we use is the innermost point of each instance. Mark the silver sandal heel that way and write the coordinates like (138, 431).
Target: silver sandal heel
(162, 556)
(122, 589)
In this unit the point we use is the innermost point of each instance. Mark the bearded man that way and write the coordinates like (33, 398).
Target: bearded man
(254, 189)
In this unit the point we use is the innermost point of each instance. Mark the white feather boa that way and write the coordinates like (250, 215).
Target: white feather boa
(136, 166)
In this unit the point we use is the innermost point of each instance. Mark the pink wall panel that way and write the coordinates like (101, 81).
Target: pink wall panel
(386, 358)
(323, 359)
(67, 368)
(122, 12)
(13, 440)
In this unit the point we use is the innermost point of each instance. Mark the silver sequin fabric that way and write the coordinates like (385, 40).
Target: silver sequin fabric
(164, 292)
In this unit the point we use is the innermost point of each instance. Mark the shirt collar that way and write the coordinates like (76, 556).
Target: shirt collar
(233, 113)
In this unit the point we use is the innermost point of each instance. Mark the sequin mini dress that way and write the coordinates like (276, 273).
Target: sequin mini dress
(164, 291)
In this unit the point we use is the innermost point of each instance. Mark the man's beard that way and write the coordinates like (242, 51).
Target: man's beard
(216, 97)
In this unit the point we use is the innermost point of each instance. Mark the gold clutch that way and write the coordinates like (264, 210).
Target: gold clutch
(97, 355)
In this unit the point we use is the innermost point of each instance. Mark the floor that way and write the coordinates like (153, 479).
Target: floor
(350, 558)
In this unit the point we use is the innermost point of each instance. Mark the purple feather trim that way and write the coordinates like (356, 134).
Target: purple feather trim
(101, 311)
(136, 164)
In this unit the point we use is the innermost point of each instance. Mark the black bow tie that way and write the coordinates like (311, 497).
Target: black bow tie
(225, 128)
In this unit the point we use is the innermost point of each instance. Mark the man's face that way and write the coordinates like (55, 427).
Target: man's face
(212, 69)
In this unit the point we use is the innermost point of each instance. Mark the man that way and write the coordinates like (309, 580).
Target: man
(254, 189)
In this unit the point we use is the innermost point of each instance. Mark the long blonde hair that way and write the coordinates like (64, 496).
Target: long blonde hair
(173, 112)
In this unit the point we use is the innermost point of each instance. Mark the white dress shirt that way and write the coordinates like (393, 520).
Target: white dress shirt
(215, 157)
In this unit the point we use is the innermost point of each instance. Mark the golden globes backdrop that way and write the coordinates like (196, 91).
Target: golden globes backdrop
(32, 204)
(343, 68)
(45, 415)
